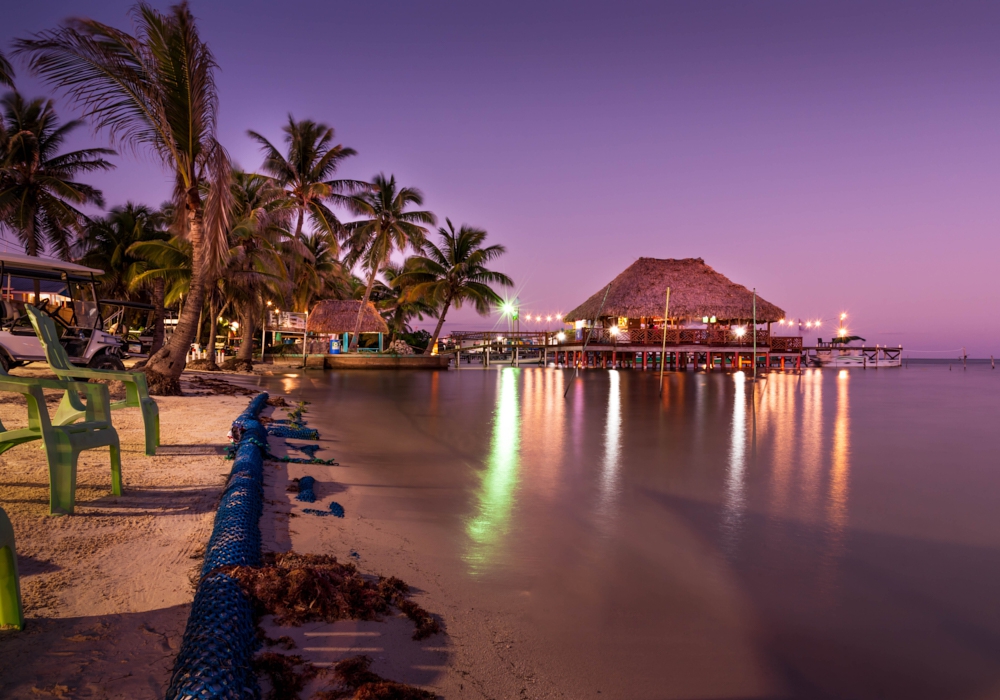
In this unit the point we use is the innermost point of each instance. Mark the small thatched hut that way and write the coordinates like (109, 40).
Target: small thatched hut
(333, 317)
(697, 292)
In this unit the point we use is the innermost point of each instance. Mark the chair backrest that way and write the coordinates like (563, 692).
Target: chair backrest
(46, 331)
(11, 612)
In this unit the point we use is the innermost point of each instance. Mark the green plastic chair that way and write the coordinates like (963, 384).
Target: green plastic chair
(136, 393)
(11, 612)
(63, 443)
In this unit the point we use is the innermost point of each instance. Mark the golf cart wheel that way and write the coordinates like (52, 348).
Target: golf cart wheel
(5, 362)
(106, 361)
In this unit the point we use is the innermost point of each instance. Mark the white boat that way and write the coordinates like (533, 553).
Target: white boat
(841, 353)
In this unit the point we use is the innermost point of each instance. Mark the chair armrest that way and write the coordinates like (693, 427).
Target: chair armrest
(109, 374)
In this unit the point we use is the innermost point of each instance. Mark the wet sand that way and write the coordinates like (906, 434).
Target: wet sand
(107, 590)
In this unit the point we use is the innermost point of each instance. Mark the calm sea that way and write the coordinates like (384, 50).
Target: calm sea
(817, 535)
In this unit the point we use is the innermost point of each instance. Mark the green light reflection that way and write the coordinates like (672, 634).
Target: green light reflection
(496, 493)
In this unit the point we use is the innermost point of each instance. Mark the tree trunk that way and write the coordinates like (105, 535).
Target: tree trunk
(291, 264)
(249, 327)
(164, 369)
(213, 328)
(437, 331)
(157, 294)
(361, 310)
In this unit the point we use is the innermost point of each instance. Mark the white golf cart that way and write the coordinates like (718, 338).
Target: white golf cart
(67, 293)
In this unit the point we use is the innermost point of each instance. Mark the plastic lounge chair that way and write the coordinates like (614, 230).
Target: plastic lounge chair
(136, 393)
(11, 612)
(63, 443)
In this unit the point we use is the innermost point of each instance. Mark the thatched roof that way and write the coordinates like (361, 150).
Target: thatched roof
(331, 316)
(696, 290)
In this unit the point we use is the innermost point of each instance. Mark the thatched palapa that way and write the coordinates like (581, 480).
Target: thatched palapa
(334, 317)
(696, 291)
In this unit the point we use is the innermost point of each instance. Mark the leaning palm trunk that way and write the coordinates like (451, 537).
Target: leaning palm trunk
(361, 310)
(157, 294)
(164, 369)
(249, 328)
(437, 330)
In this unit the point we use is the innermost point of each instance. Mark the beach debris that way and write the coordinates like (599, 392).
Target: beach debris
(284, 641)
(236, 365)
(335, 510)
(277, 401)
(400, 347)
(354, 554)
(355, 679)
(308, 450)
(298, 588)
(211, 386)
(306, 493)
(281, 670)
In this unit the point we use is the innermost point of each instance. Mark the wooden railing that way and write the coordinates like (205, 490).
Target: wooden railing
(710, 337)
(685, 336)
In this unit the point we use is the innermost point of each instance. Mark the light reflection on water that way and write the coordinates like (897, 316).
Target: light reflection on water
(491, 521)
(843, 529)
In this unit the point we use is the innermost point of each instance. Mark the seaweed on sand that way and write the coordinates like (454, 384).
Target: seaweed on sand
(285, 679)
(355, 679)
(298, 588)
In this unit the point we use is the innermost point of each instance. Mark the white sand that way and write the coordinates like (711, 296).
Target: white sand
(107, 590)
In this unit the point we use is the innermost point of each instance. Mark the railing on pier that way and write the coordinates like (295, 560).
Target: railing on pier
(601, 337)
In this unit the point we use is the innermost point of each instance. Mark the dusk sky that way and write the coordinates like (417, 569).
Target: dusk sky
(837, 156)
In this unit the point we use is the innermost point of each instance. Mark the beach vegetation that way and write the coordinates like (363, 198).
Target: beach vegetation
(153, 90)
(454, 273)
(387, 225)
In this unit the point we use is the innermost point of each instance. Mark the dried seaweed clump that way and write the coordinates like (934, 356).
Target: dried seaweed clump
(281, 670)
(298, 588)
(354, 679)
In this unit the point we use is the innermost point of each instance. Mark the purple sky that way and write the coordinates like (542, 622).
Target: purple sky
(837, 156)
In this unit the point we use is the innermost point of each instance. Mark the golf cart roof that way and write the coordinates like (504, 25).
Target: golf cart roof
(37, 266)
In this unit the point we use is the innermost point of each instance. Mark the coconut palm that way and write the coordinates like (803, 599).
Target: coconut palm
(259, 218)
(324, 278)
(305, 172)
(387, 228)
(6, 71)
(39, 194)
(107, 244)
(455, 273)
(397, 306)
(153, 90)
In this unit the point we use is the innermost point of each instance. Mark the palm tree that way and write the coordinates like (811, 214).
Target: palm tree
(306, 175)
(107, 244)
(456, 273)
(6, 71)
(153, 90)
(387, 228)
(255, 269)
(397, 306)
(324, 278)
(39, 195)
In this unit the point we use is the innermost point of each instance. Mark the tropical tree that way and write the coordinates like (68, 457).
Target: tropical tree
(306, 174)
(39, 193)
(397, 306)
(107, 244)
(153, 90)
(6, 71)
(255, 267)
(387, 227)
(324, 278)
(455, 273)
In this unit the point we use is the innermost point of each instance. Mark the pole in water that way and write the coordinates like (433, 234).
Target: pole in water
(755, 334)
(963, 358)
(583, 351)
(992, 366)
(663, 350)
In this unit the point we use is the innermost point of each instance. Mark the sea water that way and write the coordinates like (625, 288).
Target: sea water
(816, 534)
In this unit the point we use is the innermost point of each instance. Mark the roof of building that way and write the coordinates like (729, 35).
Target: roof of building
(696, 290)
(336, 316)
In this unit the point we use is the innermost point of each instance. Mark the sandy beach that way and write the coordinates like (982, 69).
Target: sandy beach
(106, 591)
